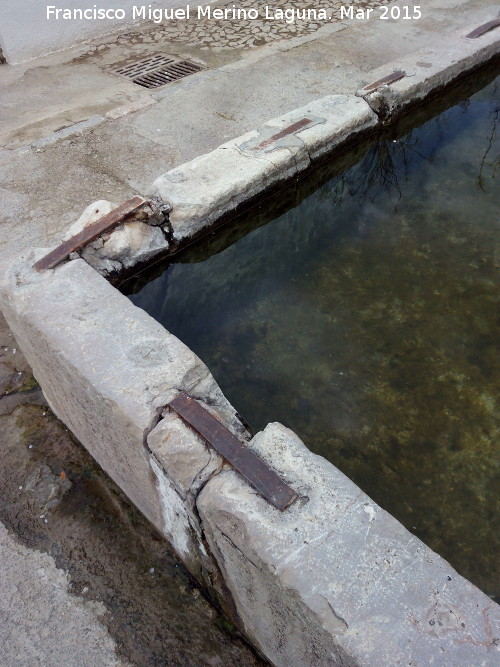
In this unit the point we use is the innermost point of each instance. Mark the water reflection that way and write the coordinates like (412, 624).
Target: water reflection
(366, 319)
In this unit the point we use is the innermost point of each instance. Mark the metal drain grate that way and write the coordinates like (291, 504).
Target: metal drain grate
(167, 74)
(157, 70)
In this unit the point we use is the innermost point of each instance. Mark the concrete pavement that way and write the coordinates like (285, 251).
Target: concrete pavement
(41, 622)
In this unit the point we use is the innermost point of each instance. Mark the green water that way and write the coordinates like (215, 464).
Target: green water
(366, 318)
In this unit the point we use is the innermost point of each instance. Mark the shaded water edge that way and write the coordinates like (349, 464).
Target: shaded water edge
(265, 207)
(361, 310)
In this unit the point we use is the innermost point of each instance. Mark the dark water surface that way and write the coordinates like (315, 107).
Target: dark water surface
(366, 318)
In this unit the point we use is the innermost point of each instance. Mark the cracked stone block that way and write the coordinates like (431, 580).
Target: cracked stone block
(179, 526)
(344, 118)
(334, 579)
(183, 463)
(187, 459)
(274, 136)
(202, 190)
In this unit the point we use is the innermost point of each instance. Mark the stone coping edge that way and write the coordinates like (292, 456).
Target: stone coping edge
(211, 186)
(431, 69)
(332, 580)
(206, 191)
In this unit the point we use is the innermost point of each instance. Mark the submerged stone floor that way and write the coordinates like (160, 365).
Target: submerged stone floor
(129, 136)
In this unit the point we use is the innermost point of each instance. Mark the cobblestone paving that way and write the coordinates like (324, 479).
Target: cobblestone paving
(245, 34)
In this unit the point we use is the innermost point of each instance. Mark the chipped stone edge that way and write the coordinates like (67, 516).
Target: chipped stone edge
(136, 241)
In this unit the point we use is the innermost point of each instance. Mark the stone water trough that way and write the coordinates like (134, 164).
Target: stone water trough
(332, 579)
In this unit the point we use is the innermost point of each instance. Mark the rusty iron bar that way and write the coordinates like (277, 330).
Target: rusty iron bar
(486, 27)
(285, 132)
(236, 452)
(391, 78)
(90, 233)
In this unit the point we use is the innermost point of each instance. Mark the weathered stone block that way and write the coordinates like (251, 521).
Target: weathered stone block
(202, 190)
(129, 244)
(106, 367)
(91, 214)
(187, 459)
(335, 580)
(183, 463)
(339, 118)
